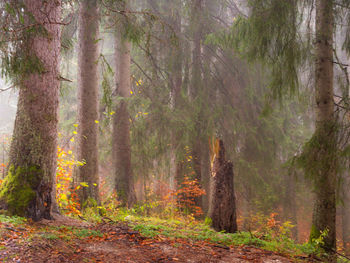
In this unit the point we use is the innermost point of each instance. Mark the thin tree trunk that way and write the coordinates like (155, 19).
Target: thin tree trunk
(88, 98)
(194, 90)
(325, 181)
(248, 195)
(124, 182)
(175, 83)
(345, 214)
(27, 189)
(205, 176)
(289, 208)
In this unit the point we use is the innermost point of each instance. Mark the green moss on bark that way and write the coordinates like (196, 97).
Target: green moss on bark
(314, 233)
(18, 189)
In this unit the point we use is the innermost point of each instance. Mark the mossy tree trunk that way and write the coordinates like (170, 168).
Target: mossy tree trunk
(124, 183)
(325, 141)
(222, 209)
(27, 189)
(88, 99)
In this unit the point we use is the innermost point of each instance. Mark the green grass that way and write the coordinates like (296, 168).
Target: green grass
(199, 231)
(82, 233)
(66, 233)
(50, 236)
(14, 220)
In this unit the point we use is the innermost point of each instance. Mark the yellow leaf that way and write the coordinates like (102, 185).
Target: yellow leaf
(112, 112)
(96, 121)
(75, 125)
(72, 140)
(131, 92)
(70, 152)
(74, 132)
(84, 184)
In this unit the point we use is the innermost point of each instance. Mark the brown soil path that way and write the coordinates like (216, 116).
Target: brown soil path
(115, 243)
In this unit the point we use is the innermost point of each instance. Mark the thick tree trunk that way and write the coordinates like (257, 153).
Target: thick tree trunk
(325, 181)
(27, 189)
(223, 202)
(124, 182)
(88, 97)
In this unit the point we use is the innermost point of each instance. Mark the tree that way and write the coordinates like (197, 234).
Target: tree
(28, 186)
(325, 133)
(124, 183)
(175, 85)
(88, 98)
(195, 90)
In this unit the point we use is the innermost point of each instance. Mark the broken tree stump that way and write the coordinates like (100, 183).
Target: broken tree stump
(223, 202)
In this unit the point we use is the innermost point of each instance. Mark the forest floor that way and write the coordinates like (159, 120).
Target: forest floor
(70, 240)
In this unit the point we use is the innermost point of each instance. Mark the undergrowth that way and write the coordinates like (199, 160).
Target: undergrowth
(269, 236)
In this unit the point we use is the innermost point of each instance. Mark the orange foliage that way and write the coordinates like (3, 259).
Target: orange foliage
(186, 195)
(271, 221)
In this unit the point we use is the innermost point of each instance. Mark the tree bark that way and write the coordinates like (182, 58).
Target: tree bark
(325, 182)
(27, 189)
(88, 99)
(223, 202)
(194, 90)
(345, 214)
(289, 204)
(124, 183)
(175, 83)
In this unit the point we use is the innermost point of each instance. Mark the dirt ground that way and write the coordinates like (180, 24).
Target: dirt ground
(116, 243)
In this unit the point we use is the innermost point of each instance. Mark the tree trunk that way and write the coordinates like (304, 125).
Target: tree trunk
(27, 189)
(88, 99)
(175, 84)
(124, 182)
(194, 90)
(325, 181)
(289, 206)
(205, 176)
(223, 202)
(345, 214)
